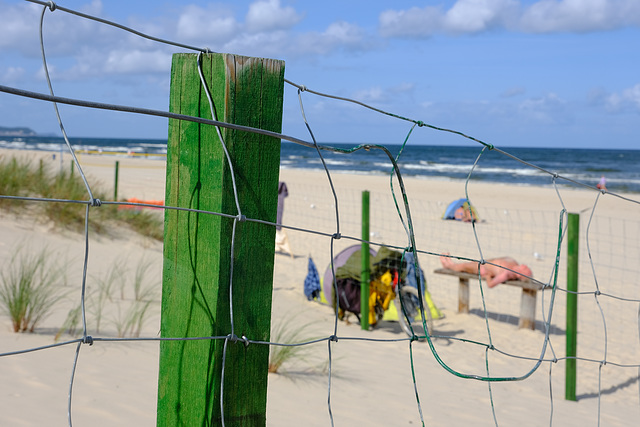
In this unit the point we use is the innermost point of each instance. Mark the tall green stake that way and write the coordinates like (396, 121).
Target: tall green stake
(364, 275)
(573, 242)
(115, 184)
(198, 262)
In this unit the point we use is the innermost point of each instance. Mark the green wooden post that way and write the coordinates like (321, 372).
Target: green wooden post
(573, 228)
(115, 184)
(364, 275)
(197, 246)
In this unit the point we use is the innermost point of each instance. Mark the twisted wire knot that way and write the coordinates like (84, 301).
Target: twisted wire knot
(234, 338)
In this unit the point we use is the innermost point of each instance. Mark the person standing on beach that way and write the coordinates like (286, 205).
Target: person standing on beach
(602, 185)
(495, 271)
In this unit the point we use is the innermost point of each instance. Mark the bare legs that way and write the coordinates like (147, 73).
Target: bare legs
(495, 272)
(465, 267)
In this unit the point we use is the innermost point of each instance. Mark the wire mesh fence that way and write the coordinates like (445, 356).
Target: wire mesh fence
(320, 220)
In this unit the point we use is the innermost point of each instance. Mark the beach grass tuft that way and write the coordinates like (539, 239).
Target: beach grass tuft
(288, 332)
(98, 298)
(146, 223)
(130, 319)
(19, 177)
(123, 299)
(14, 179)
(30, 286)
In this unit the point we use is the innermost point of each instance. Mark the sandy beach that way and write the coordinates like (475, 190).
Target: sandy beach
(371, 382)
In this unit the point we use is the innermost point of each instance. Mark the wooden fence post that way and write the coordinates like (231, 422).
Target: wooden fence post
(115, 183)
(364, 275)
(573, 244)
(197, 246)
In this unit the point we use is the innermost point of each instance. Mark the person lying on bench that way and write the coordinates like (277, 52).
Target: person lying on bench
(494, 272)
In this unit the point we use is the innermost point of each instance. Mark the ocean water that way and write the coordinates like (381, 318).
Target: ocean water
(621, 168)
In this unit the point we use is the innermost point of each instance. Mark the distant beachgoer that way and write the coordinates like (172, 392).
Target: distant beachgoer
(460, 210)
(602, 185)
(463, 214)
(495, 271)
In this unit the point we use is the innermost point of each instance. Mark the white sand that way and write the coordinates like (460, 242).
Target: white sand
(116, 383)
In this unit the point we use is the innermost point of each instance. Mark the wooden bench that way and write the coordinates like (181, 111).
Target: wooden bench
(527, 305)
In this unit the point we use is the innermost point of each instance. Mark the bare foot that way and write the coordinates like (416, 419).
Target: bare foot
(447, 262)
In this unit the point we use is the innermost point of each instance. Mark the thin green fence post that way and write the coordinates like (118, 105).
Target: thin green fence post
(115, 184)
(573, 242)
(364, 275)
(201, 275)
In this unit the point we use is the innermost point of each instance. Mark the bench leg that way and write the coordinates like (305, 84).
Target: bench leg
(463, 296)
(528, 309)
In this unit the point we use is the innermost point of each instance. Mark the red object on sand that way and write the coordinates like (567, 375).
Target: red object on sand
(146, 202)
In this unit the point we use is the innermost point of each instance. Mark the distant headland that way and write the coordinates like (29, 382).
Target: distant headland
(18, 131)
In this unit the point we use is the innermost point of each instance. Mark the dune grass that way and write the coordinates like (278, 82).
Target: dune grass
(129, 298)
(14, 181)
(288, 331)
(20, 177)
(30, 286)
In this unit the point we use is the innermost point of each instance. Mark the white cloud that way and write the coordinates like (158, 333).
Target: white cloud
(64, 34)
(472, 16)
(344, 33)
(545, 109)
(19, 29)
(136, 61)
(374, 94)
(52, 70)
(338, 35)
(268, 15)
(465, 16)
(377, 94)
(212, 27)
(412, 23)
(12, 74)
(272, 44)
(266, 32)
(543, 16)
(580, 15)
(628, 99)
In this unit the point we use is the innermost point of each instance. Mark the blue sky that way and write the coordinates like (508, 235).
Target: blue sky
(538, 73)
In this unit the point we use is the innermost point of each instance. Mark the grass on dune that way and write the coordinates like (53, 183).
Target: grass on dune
(21, 178)
(129, 297)
(290, 331)
(13, 176)
(30, 287)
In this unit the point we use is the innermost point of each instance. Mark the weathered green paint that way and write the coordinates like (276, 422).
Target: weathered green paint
(573, 242)
(197, 246)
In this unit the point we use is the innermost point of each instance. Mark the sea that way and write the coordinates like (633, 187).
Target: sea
(621, 168)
